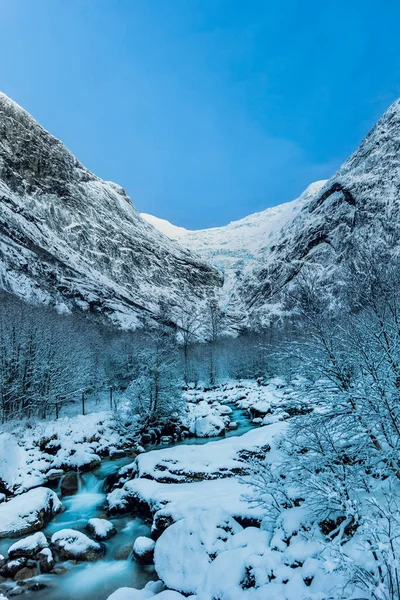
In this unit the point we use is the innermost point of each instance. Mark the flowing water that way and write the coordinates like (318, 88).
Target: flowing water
(96, 581)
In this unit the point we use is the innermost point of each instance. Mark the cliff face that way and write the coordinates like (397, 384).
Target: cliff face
(71, 240)
(361, 199)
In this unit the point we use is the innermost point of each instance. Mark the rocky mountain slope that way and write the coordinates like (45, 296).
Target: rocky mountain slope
(360, 200)
(263, 253)
(71, 240)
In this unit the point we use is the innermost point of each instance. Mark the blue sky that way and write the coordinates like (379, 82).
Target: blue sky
(204, 110)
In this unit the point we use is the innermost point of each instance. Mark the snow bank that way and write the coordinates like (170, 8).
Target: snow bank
(11, 459)
(28, 512)
(69, 443)
(177, 499)
(185, 550)
(218, 459)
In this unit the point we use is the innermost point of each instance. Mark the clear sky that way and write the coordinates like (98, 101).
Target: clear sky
(204, 110)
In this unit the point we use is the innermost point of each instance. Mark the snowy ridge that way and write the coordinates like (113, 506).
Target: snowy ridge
(71, 240)
(240, 244)
(172, 231)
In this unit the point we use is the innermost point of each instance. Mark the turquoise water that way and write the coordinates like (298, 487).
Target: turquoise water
(96, 581)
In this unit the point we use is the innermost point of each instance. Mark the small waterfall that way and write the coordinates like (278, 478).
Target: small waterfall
(92, 484)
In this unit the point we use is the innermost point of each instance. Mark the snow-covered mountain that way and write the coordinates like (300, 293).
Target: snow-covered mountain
(240, 245)
(362, 198)
(261, 254)
(69, 239)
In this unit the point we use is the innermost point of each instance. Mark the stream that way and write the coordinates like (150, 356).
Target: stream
(97, 580)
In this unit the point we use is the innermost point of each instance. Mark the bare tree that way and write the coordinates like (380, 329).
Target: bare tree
(189, 325)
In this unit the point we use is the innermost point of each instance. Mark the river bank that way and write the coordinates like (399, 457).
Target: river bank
(96, 580)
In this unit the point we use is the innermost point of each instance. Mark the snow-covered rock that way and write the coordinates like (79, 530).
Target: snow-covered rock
(186, 548)
(28, 512)
(224, 410)
(11, 568)
(208, 426)
(218, 459)
(70, 544)
(168, 503)
(154, 589)
(79, 457)
(101, 529)
(45, 559)
(11, 458)
(143, 550)
(29, 546)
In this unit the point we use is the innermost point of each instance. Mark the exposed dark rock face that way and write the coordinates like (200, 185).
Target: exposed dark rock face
(70, 483)
(71, 240)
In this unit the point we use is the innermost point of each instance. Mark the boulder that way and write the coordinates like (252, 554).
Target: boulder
(123, 552)
(223, 409)
(143, 550)
(70, 544)
(12, 567)
(185, 550)
(26, 573)
(208, 426)
(28, 512)
(166, 439)
(70, 483)
(28, 547)
(101, 529)
(45, 560)
(115, 453)
(81, 459)
(59, 570)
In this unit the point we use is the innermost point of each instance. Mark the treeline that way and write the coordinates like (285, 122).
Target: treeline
(48, 360)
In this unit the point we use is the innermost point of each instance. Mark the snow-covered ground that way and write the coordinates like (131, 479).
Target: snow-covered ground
(200, 499)
(40, 452)
(225, 529)
(206, 543)
(201, 474)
